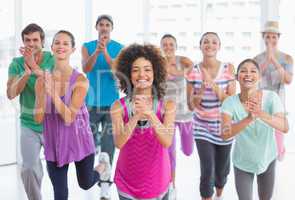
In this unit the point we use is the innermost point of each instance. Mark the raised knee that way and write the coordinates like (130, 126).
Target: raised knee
(85, 186)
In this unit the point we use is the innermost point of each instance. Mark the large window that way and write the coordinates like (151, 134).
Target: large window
(128, 19)
(8, 114)
(237, 23)
(287, 20)
(55, 15)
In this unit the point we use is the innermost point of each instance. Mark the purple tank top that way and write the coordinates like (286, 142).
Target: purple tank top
(65, 143)
(143, 166)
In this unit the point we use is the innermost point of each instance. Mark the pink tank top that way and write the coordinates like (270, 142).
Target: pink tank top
(143, 166)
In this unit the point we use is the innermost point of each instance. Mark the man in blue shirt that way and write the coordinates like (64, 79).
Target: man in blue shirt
(97, 58)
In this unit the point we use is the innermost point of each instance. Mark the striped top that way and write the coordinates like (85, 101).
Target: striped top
(207, 119)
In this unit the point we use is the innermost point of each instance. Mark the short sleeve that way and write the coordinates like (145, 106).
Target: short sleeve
(288, 65)
(14, 69)
(193, 75)
(227, 105)
(230, 72)
(117, 50)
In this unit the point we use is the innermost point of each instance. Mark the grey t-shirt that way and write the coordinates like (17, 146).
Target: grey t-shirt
(176, 91)
(270, 77)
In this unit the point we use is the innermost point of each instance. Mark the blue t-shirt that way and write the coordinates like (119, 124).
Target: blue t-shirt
(103, 89)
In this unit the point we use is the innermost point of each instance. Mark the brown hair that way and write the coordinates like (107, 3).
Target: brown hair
(123, 65)
(32, 28)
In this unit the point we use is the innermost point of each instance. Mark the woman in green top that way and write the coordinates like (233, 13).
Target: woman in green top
(251, 117)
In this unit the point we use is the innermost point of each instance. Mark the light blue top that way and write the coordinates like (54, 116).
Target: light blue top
(103, 89)
(255, 146)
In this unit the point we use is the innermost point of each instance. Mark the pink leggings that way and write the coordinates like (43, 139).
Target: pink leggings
(280, 144)
(186, 136)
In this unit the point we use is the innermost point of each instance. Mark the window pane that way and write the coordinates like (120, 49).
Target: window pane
(287, 20)
(128, 20)
(55, 15)
(8, 114)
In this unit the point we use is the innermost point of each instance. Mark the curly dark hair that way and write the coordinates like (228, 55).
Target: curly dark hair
(128, 55)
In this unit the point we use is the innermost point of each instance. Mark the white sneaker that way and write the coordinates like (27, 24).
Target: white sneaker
(104, 162)
(171, 193)
(105, 191)
(105, 170)
(218, 198)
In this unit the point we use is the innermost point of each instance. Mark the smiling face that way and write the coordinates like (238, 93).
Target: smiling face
(248, 76)
(271, 39)
(33, 41)
(210, 45)
(168, 45)
(62, 46)
(142, 74)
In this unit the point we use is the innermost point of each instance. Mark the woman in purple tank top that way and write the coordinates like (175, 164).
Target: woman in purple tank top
(67, 134)
(143, 125)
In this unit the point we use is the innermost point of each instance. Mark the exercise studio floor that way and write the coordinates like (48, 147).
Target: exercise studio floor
(187, 180)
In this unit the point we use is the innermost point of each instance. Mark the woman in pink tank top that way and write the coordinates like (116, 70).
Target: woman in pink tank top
(143, 125)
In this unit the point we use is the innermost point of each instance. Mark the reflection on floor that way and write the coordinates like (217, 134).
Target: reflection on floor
(187, 182)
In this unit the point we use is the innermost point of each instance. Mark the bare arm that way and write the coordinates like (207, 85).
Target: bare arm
(277, 121)
(68, 113)
(230, 129)
(122, 132)
(40, 101)
(88, 61)
(15, 85)
(230, 90)
(164, 131)
(186, 64)
(194, 99)
(108, 58)
(286, 77)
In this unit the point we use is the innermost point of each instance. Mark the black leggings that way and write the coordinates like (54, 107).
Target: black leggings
(215, 166)
(86, 176)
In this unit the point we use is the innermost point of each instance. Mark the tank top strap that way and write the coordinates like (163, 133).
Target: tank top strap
(125, 110)
(197, 67)
(74, 77)
(72, 82)
(178, 63)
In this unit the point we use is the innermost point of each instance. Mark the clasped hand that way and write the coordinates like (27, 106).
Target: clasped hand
(142, 106)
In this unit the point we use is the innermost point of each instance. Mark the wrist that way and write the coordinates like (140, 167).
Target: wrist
(250, 117)
(136, 117)
(96, 52)
(214, 86)
(38, 72)
(105, 51)
(262, 115)
(26, 73)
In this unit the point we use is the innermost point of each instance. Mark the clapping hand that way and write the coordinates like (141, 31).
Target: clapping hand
(50, 86)
(101, 43)
(253, 106)
(28, 54)
(207, 79)
(270, 51)
(142, 106)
